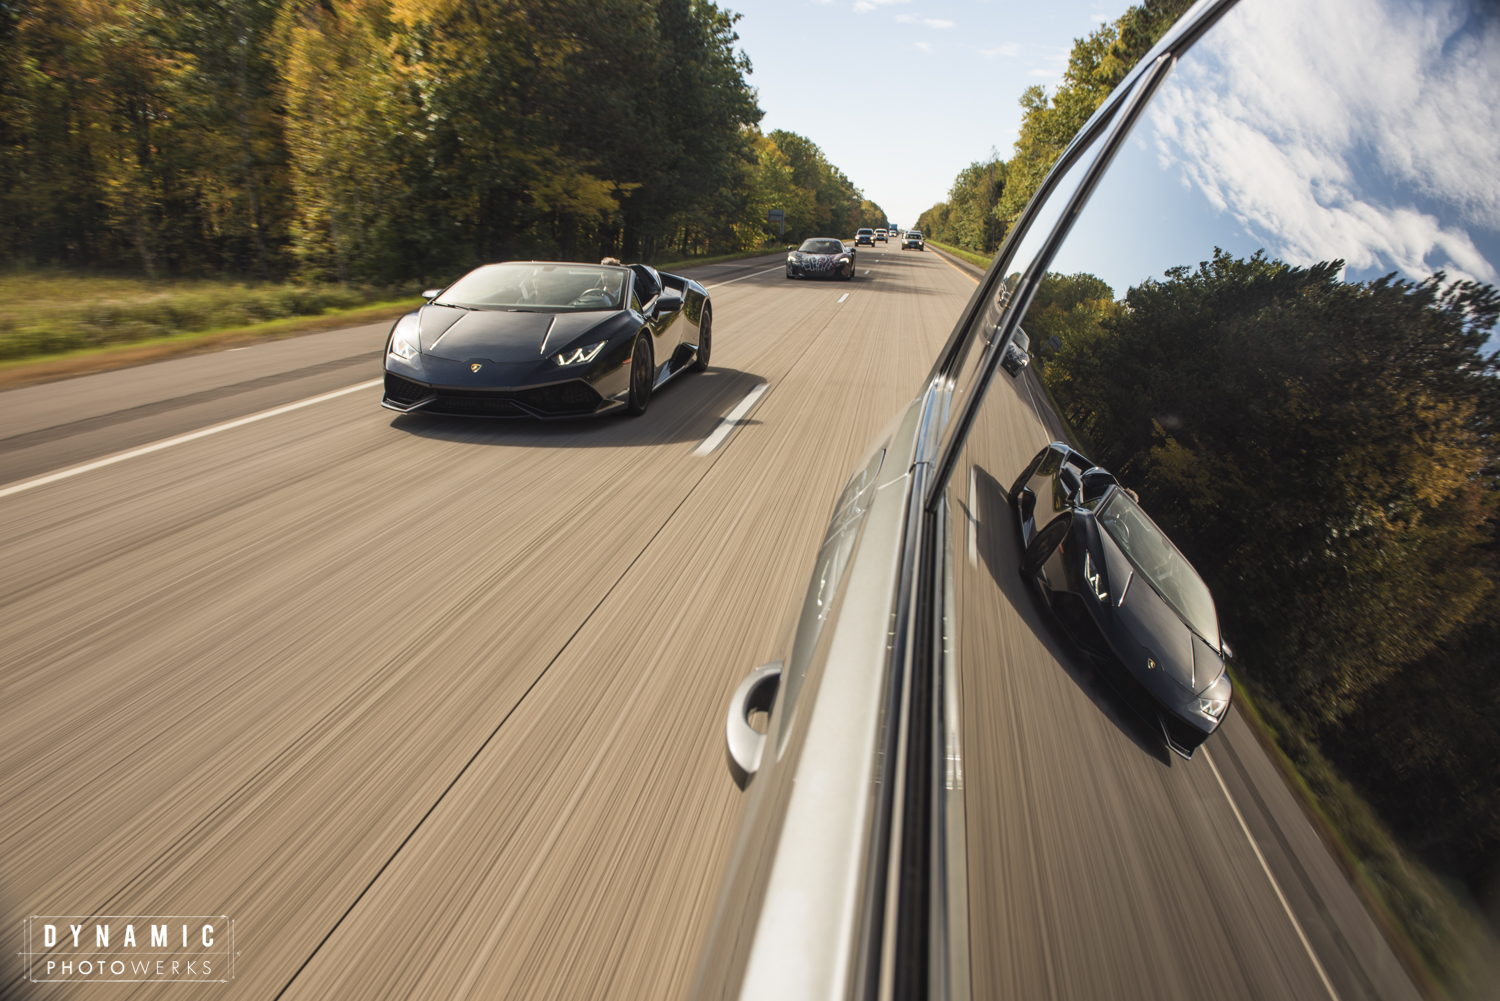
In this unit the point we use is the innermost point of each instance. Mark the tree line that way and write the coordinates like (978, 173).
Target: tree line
(987, 196)
(379, 141)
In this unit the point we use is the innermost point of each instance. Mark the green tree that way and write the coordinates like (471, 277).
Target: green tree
(1096, 65)
(1071, 308)
(933, 224)
(378, 140)
(970, 221)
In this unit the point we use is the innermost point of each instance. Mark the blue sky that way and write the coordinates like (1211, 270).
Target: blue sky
(902, 94)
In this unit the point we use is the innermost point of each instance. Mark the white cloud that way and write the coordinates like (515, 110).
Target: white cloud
(1351, 150)
(930, 22)
(924, 46)
(865, 6)
(1009, 50)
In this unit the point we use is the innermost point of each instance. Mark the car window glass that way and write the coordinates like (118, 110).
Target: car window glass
(1160, 564)
(997, 296)
(816, 246)
(542, 287)
(1282, 210)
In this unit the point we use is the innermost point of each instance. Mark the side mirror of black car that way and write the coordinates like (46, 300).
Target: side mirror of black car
(1068, 477)
(668, 302)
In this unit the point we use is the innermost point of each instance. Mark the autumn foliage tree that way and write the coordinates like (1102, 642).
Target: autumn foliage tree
(381, 140)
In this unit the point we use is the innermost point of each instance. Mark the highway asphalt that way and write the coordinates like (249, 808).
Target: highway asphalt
(433, 708)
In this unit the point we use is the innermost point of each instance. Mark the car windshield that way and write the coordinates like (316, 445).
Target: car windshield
(914, 235)
(1154, 557)
(547, 288)
(867, 232)
(821, 247)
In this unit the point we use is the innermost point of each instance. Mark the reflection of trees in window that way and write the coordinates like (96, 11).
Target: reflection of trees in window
(1070, 308)
(1323, 451)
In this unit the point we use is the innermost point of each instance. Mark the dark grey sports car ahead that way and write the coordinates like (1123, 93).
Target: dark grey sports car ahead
(821, 257)
(1122, 590)
(549, 340)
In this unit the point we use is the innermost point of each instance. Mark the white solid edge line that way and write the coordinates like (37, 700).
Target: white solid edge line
(741, 278)
(110, 460)
(729, 420)
(842, 298)
(1322, 974)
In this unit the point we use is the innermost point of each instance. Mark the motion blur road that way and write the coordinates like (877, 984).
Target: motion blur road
(433, 708)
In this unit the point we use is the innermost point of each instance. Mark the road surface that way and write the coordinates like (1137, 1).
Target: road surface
(433, 708)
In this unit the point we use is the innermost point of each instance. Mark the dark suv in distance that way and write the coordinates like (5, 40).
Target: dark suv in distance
(950, 797)
(1016, 357)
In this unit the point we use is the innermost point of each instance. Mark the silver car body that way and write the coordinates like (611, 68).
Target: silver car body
(848, 877)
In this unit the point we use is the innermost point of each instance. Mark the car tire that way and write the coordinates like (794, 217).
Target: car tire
(789, 274)
(642, 375)
(1044, 544)
(705, 341)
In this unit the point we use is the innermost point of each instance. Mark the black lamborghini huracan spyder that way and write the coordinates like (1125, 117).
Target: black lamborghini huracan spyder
(1123, 592)
(549, 340)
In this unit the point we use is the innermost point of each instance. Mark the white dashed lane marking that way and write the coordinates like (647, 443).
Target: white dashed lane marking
(729, 421)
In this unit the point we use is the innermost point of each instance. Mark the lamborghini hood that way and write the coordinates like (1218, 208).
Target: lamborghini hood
(500, 335)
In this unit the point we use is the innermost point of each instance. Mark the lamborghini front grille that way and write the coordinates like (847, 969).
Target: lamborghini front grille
(404, 391)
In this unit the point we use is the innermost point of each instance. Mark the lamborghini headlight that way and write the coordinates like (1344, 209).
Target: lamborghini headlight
(1213, 707)
(404, 343)
(577, 356)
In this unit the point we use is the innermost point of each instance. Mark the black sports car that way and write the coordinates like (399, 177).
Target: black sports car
(1123, 592)
(548, 340)
(821, 257)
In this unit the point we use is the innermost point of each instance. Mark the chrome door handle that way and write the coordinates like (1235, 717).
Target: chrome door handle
(756, 693)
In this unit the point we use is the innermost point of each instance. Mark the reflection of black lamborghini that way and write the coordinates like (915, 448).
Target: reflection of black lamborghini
(1123, 591)
(547, 340)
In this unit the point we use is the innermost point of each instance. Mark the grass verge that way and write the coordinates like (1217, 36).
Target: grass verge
(980, 261)
(49, 312)
(34, 369)
(1443, 942)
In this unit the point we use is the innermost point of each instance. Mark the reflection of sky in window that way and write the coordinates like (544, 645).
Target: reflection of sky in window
(1367, 130)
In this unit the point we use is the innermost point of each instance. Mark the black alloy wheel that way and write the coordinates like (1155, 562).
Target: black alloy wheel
(642, 374)
(705, 341)
(789, 273)
(846, 272)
